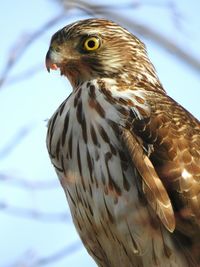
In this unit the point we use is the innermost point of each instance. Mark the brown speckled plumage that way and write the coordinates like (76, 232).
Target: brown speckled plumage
(126, 154)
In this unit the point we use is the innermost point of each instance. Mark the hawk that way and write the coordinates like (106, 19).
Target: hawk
(126, 154)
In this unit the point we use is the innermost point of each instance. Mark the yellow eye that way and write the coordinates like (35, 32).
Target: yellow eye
(91, 44)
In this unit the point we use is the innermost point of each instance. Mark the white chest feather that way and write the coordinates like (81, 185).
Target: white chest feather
(101, 184)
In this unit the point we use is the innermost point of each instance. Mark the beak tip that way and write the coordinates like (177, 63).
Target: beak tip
(50, 62)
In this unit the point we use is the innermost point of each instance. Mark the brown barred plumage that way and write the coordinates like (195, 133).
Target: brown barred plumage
(126, 154)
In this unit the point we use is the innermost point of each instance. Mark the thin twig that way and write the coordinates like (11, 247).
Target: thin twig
(59, 255)
(34, 214)
(29, 73)
(23, 43)
(15, 140)
(11, 180)
(31, 258)
(108, 11)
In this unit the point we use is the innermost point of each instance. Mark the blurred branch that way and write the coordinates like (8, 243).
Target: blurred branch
(108, 11)
(29, 73)
(83, 5)
(66, 251)
(111, 11)
(31, 259)
(34, 214)
(22, 45)
(175, 14)
(16, 139)
(28, 185)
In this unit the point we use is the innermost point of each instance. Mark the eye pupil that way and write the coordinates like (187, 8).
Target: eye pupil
(91, 44)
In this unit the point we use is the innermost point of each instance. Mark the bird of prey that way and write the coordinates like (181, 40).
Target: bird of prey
(127, 155)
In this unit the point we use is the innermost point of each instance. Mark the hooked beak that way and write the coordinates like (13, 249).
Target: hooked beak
(51, 60)
(55, 60)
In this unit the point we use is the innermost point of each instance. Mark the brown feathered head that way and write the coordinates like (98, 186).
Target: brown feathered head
(96, 48)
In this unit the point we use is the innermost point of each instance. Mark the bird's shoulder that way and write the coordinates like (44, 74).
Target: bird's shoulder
(170, 138)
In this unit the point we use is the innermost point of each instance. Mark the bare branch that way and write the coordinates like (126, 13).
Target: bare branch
(175, 15)
(23, 43)
(66, 251)
(109, 11)
(29, 73)
(95, 8)
(34, 214)
(28, 185)
(31, 258)
(17, 138)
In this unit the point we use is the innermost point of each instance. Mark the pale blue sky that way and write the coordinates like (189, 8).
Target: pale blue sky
(27, 104)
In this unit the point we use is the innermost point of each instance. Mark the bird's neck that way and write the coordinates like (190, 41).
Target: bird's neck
(140, 76)
(136, 79)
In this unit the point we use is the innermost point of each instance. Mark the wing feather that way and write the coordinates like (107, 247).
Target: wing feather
(152, 186)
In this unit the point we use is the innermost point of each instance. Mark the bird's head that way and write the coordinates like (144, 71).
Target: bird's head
(97, 48)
